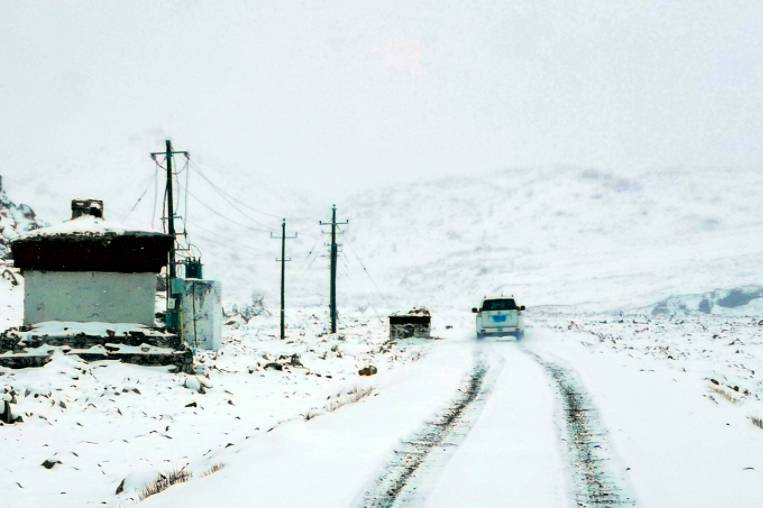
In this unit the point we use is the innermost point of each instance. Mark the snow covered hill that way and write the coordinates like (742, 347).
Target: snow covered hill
(227, 210)
(550, 235)
(563, 235)
(662, 241)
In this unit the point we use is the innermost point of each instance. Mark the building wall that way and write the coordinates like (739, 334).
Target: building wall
(108, 297)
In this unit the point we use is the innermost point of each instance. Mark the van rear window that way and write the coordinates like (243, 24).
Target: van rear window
(502, 304)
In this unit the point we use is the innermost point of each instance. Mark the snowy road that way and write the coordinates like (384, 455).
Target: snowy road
(512, 455)
(532, 437)
(552, 422)
(505, 448)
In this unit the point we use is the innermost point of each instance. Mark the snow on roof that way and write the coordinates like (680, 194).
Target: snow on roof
(85, 225)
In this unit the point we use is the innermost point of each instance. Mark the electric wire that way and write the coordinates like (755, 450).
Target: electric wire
(216, 212)
(232, 200)
(310, 252)
(140, 198)
(368, 301)
(197, 167)
(156, 195)
(378, 290)
(164, 211)
(213, 240)
(187, 186)
(222, 238)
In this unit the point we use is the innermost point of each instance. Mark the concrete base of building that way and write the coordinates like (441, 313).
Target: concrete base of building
(180, 361)
(25, 347)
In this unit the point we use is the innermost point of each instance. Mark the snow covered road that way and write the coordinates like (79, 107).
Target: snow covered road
(512, 455)
(334, 459)
(425, 440)
(561, 418)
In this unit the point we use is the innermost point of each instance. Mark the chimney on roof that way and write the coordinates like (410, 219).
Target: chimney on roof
(82, 207)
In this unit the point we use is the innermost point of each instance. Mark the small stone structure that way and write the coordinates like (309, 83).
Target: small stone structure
(89, 289)
(416, 323)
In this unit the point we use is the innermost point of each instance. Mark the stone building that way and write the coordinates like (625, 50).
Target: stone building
(90, 288)
(88, 270)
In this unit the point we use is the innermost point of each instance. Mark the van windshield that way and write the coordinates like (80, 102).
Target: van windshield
(502, 304)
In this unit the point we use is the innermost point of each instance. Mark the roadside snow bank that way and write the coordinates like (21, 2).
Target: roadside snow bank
(109, 430)
(679, 399)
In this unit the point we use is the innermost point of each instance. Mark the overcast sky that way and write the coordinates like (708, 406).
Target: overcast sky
(356, 93)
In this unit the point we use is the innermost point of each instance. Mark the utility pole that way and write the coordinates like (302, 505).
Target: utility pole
(334, 252)
(168, 153)
(283, 261)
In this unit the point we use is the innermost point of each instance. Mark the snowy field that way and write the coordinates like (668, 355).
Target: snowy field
(674, 401)
(637, 384)
(102, 423)
(599, 161)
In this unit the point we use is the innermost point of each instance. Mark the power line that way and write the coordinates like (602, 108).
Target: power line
(218, 237)
(226, 240)
(221, 237)
(345, 266)
(310, 252)
(156, 193)
(140, 198)
(216, 212)
(368, 274)
(230, 197)
(368, 301)
(238, 209)
(187, 182)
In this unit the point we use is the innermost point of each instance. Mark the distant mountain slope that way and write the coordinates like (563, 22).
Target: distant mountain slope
(228, 212)
(563, 235)
(14, 220)
(552, 236)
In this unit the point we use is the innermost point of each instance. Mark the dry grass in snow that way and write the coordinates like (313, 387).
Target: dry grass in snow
(731, 396)
(341, 399)
(165, 481)
(214, 469)
(356, 394)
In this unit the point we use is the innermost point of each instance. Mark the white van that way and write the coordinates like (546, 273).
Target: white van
(499, 316)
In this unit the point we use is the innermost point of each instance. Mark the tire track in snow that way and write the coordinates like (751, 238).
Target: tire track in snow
(396, 483)
(595, 483)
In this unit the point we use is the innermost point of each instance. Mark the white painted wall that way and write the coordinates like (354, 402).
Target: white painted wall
(107, 297)
(201, 313)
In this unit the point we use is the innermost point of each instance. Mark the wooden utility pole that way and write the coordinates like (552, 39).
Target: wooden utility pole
(334, 252)
(283, 261)
(171, 266)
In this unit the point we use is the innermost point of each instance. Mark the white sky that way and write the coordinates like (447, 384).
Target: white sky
(356, 93)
